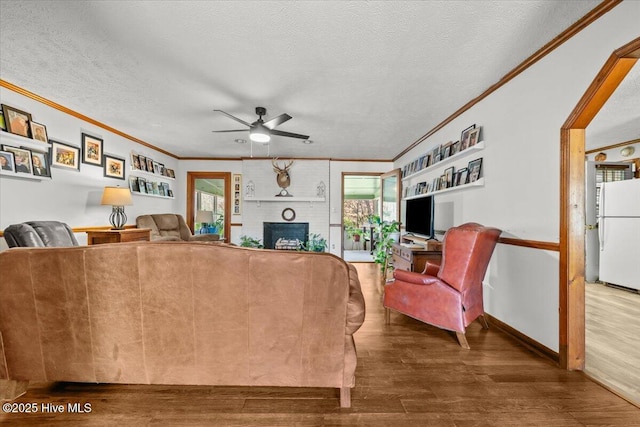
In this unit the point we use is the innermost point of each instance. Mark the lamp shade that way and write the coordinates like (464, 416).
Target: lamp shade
(205, 217)
(116, 196)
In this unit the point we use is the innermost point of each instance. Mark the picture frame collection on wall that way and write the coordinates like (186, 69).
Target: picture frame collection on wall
(468, 138)
(34, 162)
(449, 179)
(142, 185)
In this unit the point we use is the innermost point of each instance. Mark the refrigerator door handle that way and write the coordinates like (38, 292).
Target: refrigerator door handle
(601, 233)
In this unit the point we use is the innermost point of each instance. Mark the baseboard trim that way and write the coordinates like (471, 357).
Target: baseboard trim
(530, 343)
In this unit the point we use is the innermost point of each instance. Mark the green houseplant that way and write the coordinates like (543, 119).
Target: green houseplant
(250, 242)
(385, 232)
(316, 243)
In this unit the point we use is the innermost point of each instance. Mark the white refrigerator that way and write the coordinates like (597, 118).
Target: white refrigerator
(619, 233)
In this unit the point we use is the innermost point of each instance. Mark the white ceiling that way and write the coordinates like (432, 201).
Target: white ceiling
(364, 79)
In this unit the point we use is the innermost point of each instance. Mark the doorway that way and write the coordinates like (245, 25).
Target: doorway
(572, 203)
(209, 203)
(361, 194)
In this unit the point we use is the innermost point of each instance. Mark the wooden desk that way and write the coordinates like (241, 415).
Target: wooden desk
(96, 237)
(415, 258)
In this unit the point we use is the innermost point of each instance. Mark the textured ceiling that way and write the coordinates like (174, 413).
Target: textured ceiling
(364, 79)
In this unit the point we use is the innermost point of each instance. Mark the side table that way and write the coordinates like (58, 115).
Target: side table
(96, 237)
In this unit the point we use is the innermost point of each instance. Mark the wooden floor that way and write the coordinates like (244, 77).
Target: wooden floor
(613, 338)
(409, 374)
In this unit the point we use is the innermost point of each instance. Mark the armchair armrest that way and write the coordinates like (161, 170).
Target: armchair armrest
(431, 268)
(416, 278)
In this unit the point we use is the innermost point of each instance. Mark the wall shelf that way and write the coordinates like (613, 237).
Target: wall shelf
(277, 199)
(479, 146)
(15, 175)
(151, 195)
(139, 172)
(20, 141)
(478, 183)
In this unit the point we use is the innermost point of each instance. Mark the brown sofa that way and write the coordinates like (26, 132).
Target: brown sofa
(171, 227)
(178, 313)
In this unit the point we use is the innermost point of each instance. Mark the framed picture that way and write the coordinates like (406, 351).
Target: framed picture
(40, 162)
(475, 167)
(448, 173)
(142, 184)
(237, 190)
(21, 159)
(455, 148)
(39, 132)
(65, 156)
(461, 176)
(446, 150)
(3, 125)
(474, 137)
(149, 165)
(133, 184)
(16, 121)
(135, 161)
(92, 150)
(113, 167)
(464, 137)
(143, 162)
(171, 173)
(7, 162)
(170, 193)
(156, 168)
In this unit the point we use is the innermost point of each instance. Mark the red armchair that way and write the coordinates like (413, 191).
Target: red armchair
(448, 296)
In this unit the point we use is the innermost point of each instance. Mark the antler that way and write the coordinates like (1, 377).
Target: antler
(277, 168)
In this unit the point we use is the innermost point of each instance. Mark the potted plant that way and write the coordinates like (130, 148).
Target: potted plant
(386, 233)
(250, 242)
(316, 243)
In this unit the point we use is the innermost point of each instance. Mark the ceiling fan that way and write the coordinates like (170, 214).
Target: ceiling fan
(261, 131)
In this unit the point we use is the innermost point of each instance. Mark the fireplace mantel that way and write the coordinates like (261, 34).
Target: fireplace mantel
(258, 200)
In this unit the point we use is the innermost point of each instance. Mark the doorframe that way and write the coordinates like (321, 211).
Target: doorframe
(345, 174)
(191, 188)
(572, 202)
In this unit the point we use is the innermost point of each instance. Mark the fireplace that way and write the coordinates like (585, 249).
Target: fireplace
(284, 235)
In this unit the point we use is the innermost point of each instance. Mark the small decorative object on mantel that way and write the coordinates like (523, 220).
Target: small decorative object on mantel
(321, 189)
(283, 179)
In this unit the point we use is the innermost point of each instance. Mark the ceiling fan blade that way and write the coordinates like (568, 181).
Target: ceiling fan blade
(289, 134)
(234, 130)
(233, 117)
(276, 121)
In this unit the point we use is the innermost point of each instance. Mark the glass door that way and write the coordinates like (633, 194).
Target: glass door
(209, 203)
(391, 195)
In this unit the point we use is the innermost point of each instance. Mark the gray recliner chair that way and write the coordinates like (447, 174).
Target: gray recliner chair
(39, 234)
(171, 227)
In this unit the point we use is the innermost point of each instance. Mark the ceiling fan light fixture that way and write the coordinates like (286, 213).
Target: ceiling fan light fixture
(259, 133)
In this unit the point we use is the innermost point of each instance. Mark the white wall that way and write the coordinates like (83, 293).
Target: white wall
(70, 196)
(521, 127)
(74, 197)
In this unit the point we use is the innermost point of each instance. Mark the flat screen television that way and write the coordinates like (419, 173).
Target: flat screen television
(419, 216)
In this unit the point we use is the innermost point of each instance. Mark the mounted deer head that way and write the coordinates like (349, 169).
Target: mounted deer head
(283, 179)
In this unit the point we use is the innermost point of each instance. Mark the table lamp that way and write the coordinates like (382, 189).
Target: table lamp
(118, 198)
(205, 218)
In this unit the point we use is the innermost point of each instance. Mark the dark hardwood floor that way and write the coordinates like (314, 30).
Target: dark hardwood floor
(409, 374)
